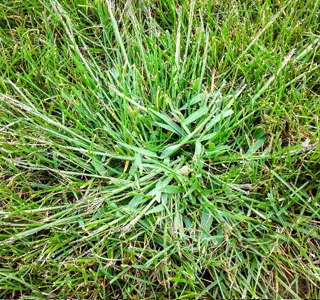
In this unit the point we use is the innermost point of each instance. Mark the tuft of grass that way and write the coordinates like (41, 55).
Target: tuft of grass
(159, 149)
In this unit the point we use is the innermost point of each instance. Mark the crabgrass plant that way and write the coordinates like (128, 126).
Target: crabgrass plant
(159, 149)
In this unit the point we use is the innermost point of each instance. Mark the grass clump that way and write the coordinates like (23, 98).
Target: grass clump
(159, 149)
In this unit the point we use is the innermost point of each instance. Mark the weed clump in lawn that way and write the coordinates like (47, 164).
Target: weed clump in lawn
(159, 151)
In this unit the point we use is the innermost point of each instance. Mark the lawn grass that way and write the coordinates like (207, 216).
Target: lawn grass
(159, 149)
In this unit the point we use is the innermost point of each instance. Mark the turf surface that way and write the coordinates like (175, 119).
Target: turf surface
(159, 149)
